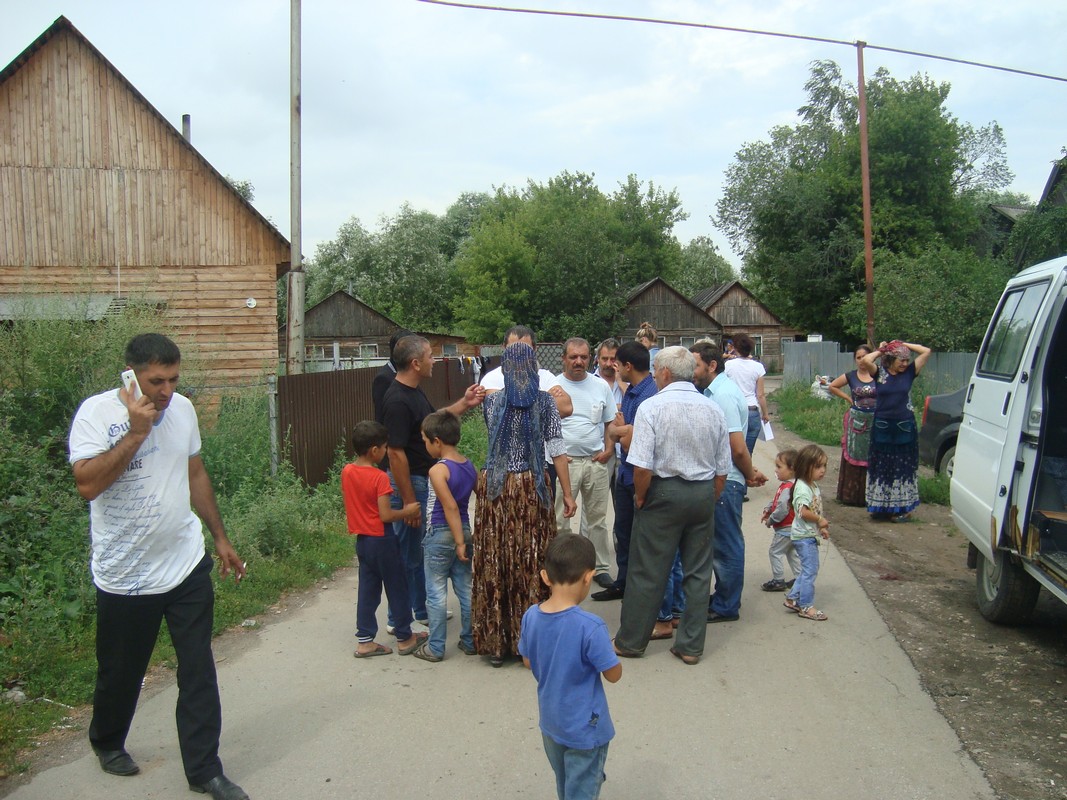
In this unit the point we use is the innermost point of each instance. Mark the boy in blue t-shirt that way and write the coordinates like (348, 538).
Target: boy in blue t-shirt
(568, 650)
(446, 548)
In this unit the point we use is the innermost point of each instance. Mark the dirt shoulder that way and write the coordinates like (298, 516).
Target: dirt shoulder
(1001, 689)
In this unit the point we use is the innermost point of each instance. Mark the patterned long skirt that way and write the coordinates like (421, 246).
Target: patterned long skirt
(510, 534)
(855, 447)
(893, 467)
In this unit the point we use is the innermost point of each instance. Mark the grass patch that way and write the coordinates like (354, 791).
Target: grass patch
(474, 441)
(934, 489)
(818, 421)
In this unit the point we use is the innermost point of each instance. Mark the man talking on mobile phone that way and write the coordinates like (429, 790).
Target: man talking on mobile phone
(137, 462)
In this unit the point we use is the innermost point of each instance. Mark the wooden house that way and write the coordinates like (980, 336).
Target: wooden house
(345, 326)
(677, 320)
(104, 203)
(740, 312)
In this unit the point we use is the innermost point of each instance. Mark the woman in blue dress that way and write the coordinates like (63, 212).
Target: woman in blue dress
(893, 458)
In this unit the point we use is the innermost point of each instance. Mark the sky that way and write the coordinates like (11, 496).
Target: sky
(408, 102)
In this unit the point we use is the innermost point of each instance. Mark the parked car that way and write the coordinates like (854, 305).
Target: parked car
(1009, 482)
(942, 416)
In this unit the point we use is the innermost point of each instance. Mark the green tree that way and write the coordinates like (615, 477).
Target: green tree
(702, 267)
(792, 206)
(402, 270)
(941, 297)
(561, 256)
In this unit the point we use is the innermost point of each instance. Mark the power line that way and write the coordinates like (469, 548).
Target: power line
(752, 31)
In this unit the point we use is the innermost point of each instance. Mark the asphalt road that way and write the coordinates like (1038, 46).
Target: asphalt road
(778, 708)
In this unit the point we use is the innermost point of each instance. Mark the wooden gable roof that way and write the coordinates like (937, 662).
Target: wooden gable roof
(343, 316)
(92, 174)
(735, 306)
(667, 308)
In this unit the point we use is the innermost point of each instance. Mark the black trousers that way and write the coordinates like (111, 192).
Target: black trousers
(126, 631)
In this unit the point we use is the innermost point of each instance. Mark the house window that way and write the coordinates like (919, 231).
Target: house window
(368, 351)
(688, 341)
(757, 347)
(450, 350)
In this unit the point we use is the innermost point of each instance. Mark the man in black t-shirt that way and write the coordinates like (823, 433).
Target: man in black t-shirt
(404, 408)
(387, 374)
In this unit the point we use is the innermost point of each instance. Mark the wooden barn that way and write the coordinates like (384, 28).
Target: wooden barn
(104, 203)
(676, 319)
(739, 311)
(360, 333)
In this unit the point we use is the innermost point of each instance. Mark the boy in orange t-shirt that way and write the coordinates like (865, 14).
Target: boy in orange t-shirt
(366, 492)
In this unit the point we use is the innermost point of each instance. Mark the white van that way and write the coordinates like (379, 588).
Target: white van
(1009, 485)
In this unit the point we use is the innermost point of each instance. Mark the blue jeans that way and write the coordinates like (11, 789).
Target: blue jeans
(411, 546)
(755, 423)
(442, 563)
(729, 552)
(674, 595)
(579, 773)
(624, 523)
(380, 565)
(804, 589)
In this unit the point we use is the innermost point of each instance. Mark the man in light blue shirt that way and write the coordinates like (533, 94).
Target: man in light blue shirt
(729, 563)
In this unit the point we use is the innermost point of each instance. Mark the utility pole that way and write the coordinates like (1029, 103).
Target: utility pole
(295, 283)
(865, 179)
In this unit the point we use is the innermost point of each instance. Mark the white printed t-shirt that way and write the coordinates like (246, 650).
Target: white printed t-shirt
(594, 407)
(145, 537)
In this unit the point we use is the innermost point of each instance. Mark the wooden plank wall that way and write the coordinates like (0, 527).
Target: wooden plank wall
(738, 309)
(670, 316)
(98, 194)
(206, 311)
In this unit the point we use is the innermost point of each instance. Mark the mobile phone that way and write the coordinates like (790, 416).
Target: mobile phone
(129, 380)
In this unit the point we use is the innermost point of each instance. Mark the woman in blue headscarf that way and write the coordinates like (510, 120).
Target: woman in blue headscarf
(515, 521)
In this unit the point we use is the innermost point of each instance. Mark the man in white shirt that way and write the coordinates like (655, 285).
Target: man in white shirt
(136, 458)
(589, 449)
(680, 454)
(493, 380)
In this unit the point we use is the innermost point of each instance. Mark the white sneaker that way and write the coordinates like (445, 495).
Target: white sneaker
(448, 614)
(390, 629)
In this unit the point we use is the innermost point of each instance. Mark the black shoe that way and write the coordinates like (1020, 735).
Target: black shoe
(220, 788)
(603, 580)
(496, 661)
(715, 616)
(117, 762)
(611, 593)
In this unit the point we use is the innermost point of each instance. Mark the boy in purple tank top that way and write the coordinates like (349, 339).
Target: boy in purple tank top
(446, 548)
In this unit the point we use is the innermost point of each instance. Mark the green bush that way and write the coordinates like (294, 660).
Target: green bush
(289, 536)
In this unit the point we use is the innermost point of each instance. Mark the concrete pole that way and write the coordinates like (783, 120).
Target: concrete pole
(865, 178)
(294, 344)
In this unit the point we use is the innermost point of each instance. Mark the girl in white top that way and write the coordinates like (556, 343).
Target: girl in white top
(808, 525)
(748, 374)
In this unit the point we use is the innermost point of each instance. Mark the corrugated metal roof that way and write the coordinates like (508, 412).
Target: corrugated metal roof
(88, 307)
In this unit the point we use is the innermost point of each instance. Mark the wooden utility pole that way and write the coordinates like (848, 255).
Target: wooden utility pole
(865, 179)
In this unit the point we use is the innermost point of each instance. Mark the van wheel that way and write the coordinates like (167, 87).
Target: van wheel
(1006, 593)
(948, 462)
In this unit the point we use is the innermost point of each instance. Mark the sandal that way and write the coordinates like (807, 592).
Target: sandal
(792, 605)
(689, 661)
(811, 612)
(774, 585)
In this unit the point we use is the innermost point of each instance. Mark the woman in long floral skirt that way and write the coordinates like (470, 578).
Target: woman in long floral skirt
(859, 420)
(893, 459)
(515, 521)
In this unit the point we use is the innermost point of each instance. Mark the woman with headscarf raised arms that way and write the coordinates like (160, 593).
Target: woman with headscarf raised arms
(893, 457)
(515, 519)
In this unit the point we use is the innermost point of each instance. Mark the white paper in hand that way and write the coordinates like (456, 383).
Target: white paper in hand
(766, 434)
